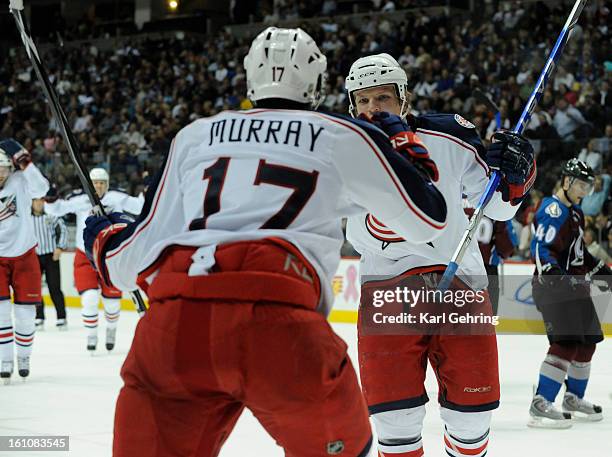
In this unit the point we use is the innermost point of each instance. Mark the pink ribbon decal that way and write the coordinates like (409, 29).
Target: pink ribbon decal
(351, 286)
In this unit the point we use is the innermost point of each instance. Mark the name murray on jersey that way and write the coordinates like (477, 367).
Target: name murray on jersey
(295, 132)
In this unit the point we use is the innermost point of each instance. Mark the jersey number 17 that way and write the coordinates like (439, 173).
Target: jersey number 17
(303, 184)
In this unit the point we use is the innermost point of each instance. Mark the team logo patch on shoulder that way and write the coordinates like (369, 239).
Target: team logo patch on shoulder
(380, 231)
(463, 122)
(8, 207)
(553, 210)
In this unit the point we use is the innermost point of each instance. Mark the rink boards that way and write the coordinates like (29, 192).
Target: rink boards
(516, 310)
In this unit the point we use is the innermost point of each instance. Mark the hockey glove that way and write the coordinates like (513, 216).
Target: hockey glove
(98, 231)
(514, 157)
(19, 155)
(601, 272)
(52, 195)
(406, 142)
(556, 277)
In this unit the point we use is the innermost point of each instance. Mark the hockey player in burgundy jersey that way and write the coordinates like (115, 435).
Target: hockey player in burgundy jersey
(20, 182)
(563, 296)
(236, 247)
(86, 280)
(392, 366)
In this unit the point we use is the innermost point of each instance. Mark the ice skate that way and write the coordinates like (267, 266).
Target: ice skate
(92, 342)
(111, 334)
(40, 324)
(61, 325)
(580, 409)
(23, 366)
(543, 414)
(6, 370)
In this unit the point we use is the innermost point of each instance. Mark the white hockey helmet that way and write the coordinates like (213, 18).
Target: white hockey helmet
(377, 70)
(287, 64)
(98, 174)
(8, 148)
(6, 167)
(5, 160)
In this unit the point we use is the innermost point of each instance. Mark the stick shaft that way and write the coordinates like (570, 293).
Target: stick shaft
(535, 97)
(60, 117)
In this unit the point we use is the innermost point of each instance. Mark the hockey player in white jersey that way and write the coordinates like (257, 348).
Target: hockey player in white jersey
(20, 182)
(236, 247)
(392, 366)
(86, 279)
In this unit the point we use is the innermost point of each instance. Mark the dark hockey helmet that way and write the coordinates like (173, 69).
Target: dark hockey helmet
(578, 169)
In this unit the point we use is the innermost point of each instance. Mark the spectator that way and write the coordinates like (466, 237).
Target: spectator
(388, 7)
(83, 122)
(604, 98)
(593, 204)
(592, 156)
(563, 77)
(594, 248)
(568, 120)
(605, 142)
(525, 236)
(536, 198)
(407, 58)
(602, 229)
(328, 8)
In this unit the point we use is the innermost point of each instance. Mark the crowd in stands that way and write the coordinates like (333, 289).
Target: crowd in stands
(126, 105)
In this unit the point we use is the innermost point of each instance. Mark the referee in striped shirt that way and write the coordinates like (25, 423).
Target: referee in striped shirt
(51, 235)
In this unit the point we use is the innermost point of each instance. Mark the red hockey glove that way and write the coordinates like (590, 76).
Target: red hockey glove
(406, 142)
(19, 155)
(98, 231)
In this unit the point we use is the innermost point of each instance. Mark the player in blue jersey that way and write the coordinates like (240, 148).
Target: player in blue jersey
(562, 293)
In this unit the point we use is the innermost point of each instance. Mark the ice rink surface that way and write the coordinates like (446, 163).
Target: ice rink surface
(72, 393)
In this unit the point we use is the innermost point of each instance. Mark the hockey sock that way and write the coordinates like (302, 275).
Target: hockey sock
(398, 447)
(6, 331)
(399, 432)
(25, 317)
(580, 369)
(466, 433)
(456, 447)
(552, 375)
(578, 377)
(112, 307)
(89, 312)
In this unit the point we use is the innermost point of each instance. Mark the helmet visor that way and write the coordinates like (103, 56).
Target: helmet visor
(583, 187)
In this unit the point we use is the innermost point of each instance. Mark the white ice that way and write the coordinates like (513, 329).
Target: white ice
(72, 393)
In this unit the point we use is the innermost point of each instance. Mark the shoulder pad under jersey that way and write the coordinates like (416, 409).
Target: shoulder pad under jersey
(379, 137)
(75, 193)
(120, 190)
(452, 125)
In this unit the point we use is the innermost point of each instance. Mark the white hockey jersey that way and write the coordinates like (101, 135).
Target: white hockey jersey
(454, 145)
(78, 203)
(274, 173)
(16, 226)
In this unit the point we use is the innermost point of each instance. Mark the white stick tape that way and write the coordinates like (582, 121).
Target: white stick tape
(16, 4)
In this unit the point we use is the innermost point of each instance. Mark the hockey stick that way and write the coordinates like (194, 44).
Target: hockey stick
(15, 7)
(493, 183)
